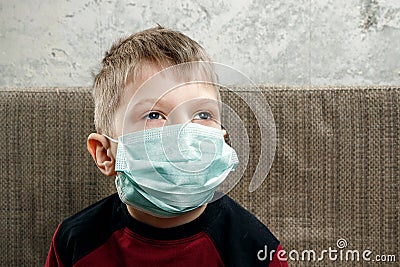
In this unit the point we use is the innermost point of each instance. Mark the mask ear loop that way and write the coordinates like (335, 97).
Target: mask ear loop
(109, 138)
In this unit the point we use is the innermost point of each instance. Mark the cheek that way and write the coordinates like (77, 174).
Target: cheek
(118, 123)
(149, 124)
(209, 123)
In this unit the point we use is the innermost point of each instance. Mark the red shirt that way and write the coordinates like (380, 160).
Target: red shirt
(106, 235)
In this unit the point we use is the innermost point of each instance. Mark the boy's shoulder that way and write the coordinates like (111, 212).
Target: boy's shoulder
(89, 227)
(236, 218)
(99, 214)
(239, 235)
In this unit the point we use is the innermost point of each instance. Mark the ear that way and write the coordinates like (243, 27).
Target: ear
(224, 133)
(100, 149)
(226, 136)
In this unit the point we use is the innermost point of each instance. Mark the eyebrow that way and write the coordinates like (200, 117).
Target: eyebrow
(152, 102)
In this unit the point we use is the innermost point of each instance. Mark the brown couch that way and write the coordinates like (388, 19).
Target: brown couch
(335, 173)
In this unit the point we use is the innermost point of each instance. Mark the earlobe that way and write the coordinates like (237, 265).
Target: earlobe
(100, 149)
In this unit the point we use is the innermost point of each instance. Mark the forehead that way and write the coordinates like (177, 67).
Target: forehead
(151, 84)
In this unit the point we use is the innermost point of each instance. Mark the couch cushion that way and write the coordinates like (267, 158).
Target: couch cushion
(334, 175)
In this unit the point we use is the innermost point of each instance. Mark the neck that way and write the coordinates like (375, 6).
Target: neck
(165, 222)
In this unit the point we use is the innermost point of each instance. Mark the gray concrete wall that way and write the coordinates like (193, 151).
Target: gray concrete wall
(294, 42)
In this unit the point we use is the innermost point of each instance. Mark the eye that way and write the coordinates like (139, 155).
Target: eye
(204, 115)
(154, 116)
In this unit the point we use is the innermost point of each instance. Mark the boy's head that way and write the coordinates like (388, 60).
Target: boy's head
(130, 62)
(123, 83)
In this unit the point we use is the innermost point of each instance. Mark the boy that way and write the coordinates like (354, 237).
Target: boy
(165, 212)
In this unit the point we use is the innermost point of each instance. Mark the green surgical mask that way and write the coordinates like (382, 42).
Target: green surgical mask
(171, 170)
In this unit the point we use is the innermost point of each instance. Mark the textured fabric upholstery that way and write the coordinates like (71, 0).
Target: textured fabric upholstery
(335, 173)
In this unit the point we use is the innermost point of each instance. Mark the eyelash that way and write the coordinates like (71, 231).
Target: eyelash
(209, 115)
(148, 116)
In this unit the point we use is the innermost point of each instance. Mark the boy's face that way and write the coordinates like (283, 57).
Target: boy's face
(157, 105)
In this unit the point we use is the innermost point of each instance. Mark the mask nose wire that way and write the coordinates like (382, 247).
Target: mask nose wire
(111, 139)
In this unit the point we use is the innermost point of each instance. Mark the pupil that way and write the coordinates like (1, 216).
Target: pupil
(203, 116)
(153, 115)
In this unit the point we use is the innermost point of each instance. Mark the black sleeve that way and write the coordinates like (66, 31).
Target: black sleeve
(239, 236)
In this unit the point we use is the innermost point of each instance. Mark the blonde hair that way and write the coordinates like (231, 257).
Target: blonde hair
(158, 46)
